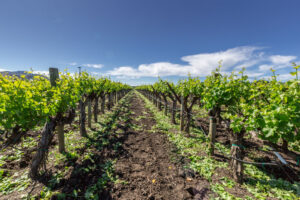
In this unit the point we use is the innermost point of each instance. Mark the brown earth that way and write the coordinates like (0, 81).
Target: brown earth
(147, 167)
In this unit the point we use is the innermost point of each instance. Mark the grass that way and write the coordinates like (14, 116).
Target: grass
(14, 180)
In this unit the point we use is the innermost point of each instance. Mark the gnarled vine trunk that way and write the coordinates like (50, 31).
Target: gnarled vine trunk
(103, 104)
(188, 121)
(82, 119)
(112, 99)
(212, 134)
(182, 113)
(41, 155)
(285, 145)
(109, 104)
(237, 152)
(89, 113)
(14, 137)
(174, 111)
(96, 105)
(159, 104)
(166, 106)
(116, 97)
(153, 99)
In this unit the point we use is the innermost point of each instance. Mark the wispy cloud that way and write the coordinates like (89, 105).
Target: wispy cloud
(281, 77)
(73, 63)
(284, 77)
(253, 74)
(265, 67)
(277, 62)
(250, 57)
(281, 60)
(97, 66)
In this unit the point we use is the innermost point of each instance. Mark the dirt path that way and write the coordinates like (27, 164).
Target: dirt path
(146, 165)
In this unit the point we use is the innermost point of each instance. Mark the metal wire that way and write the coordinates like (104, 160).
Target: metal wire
(255, 163)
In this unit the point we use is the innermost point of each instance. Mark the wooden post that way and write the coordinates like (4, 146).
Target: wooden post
(54, 76)
(159, 103)
(109, 101)
(285, 146)
(116, 97)
(83, 132)
(112, 99)
(212, 134)
(96, 105)
(90, 113)
(166, 105)
(182, 114)
(103, 104)
(174, 111)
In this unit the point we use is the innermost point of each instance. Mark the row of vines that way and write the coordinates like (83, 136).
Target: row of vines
(26, 104)
(269, 108)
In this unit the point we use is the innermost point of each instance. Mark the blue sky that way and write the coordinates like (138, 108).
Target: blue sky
(134, 41)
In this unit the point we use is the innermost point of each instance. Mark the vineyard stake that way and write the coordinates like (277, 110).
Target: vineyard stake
(103, 104)
(96, 110)
(182, 114)
(212, 134)
(82, 118)
(54, 76)
(89, 113)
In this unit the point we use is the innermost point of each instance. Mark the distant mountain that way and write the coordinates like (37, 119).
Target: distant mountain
(19, 73)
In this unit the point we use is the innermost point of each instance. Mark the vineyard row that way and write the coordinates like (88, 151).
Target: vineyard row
(268, 108)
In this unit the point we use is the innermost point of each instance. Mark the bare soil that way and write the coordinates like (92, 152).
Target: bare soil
(150, 166)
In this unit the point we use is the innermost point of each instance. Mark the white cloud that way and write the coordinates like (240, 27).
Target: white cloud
(253, 60)
(73, 63)
(253, 74)
(125, 71)
(281, 60)
(281, 77)
(249, 57)
(41, 72)
(277, 62)
(197, 65)
(229, 58)
(97, 66)
(265, 67)
(1, 70)
(285, 77)
(246, 64)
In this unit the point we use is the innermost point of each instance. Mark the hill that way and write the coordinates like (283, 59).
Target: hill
(19, 73)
